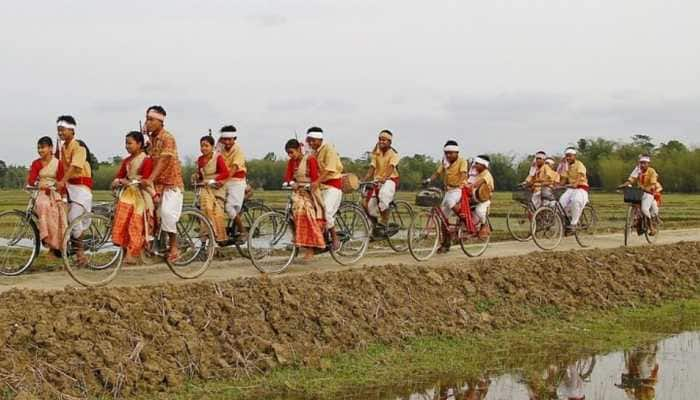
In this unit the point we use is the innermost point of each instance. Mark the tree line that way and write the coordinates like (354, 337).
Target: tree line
(608, 162)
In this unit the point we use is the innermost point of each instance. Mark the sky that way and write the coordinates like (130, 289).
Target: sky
(497, 76)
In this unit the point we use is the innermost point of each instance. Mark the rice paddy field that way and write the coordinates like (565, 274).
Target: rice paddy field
(678, 210)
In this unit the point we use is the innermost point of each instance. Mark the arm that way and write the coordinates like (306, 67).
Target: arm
(222, 169)
(34, 172)
(370, 173)
(289, 173)
(121, 175)
(312, 167)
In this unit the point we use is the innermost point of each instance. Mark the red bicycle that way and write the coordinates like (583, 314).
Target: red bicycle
(430, 225)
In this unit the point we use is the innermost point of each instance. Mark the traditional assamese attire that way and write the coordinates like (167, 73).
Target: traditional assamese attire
(49, 206)
(542, 179)
(648, 181)
(329, 163)
(236, 184)
(211, 200)
(453, 180)
(307, 205)
(79, 187)
(383, 162)
(169, 184)
(575, 198)
(134, 214)
(482, 196)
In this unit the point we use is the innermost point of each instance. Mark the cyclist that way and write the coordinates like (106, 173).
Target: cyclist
(329, 179)
(454, 171)
(307, 205)
(166, 176)
(384, 169)
(213, 173)
(77, 180)
(647, 179)
(134, 213)
(236, 186)
(541, 178)
(575, 198)
(482, 187)
(49, 207)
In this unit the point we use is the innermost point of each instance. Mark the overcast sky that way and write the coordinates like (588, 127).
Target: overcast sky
(509, 76)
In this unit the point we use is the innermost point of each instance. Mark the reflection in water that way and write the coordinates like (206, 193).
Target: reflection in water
(669, 369)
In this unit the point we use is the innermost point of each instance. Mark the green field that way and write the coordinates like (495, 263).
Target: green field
(678, 210)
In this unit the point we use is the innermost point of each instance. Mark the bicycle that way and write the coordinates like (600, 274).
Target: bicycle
(19, 237)
(429, 226)
(400, 217)
(104, 258)
(636, 221)
(273, 248)
(250, 210)
(519, 217)
(550, 220)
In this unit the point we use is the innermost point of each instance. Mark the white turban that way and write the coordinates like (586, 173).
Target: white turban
(479, 160)
(570, 150)
(315, 135)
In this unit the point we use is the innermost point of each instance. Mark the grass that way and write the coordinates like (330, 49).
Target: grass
(389, 370)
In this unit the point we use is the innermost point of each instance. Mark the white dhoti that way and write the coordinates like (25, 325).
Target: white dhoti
(80, 197)
(480, 211)
(331, 200)
(451, 199)
(170, 209)
(386, 195)
(649, 206)
(235, 194)
(537, 199)
(574, 201)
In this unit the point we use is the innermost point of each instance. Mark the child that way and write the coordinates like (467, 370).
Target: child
(133, 216)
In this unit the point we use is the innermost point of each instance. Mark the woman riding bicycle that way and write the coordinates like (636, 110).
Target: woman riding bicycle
(307, 204)
(647, 179)
(134, 213)
(49, 206)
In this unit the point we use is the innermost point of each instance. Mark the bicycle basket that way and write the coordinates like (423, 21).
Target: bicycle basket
(633, 195)
(522, 195)
(429, 197)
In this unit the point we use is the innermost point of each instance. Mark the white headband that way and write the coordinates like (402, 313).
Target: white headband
(570, 151)
(451, 147)
(644, 159)
(540, 154)
(315, 135)
(549, 160)
(481, 161)
(228, 135)
(64, 124)
(156, 115)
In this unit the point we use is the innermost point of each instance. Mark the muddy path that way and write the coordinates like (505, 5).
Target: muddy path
(121, 341)
(238, 267)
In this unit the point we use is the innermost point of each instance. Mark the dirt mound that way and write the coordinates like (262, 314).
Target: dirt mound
(122, 341)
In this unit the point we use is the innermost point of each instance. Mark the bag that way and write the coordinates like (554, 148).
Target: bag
(349, 183)
(633, 195)
(431, 197)
(558, 192)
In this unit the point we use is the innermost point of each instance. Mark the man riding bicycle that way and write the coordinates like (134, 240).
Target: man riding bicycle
(454, 171)
(541, 179)
(647, 179)
(575, 198)
(383, 169)
(482, 187)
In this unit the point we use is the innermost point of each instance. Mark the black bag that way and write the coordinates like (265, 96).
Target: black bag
(429, 197)
(633, 195)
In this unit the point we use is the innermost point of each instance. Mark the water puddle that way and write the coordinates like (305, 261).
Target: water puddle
(669, 370)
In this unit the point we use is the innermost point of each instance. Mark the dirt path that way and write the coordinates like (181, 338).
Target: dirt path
(238, 267)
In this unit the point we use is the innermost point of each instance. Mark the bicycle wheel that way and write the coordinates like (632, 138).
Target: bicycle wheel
(195, 245)
(518, 222)
(354, 232)
(424, 235)
(250, 213)
(471, 244)
(547, 228)
(400, 217)
(651, 239)
(19, 243)
(585, 231)
(272, 249)
(102, 259)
